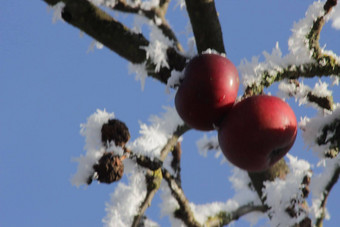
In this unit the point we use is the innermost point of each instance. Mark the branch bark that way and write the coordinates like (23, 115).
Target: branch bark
(117, 37)
(328, 188)
(154, 178)
(184, 212)
(324, 65)
(154, 14)
(224, 218)
(325, 102)
(205, 24)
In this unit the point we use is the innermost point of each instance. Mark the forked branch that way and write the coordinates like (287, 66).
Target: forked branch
(114, 35)
(323, 65)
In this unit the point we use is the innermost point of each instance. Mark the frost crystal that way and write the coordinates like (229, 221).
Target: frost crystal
(299, 52)
(317, 186)
(312, 128)
(156, 51)
(95, 44)
(280, 193)
(91, 130)
(174, 80)
(206, 144)
(154, 137)
(141, 73)
(169, 205)
(57, 10)
(335, 17)
(243, 196)
(212, 51)
(301, 91)
(108, 3)
(125, 201)
(181, 4)
(147, 5)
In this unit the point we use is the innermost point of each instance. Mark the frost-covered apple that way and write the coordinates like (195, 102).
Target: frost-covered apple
(207, 92)
(257, 132)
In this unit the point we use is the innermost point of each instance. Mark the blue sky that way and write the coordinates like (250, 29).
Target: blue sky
(50, 84)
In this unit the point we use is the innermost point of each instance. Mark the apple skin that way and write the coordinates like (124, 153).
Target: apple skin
(257, 132)
(207, 92)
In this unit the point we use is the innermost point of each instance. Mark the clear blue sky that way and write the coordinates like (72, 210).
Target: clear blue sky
(49, 85)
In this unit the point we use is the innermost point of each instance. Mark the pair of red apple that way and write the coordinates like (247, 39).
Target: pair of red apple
(254, 133)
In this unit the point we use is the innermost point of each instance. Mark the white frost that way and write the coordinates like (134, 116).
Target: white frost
(174, 80)
(311, 129)
(318, 184)
(95, 44)
(156, 51)
(205, 144)
(149, 4)
(108, 3)
(153, 137)
(140, 71)
(301, 91)
(181, 4)
(212, 51)
(169, 205)
(57, 10)
(243, 196)
(299, 53)
(279, 193)
(125, 201)
(335, 17)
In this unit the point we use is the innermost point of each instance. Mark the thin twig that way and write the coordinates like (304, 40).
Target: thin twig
(184, 212)
(333, 180)
(154, 178)
(325, 102)
(224, 218)
(324, 65)
(154, 14)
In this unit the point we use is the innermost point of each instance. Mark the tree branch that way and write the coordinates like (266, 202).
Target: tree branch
(328, 188)
(309, 70)
(154, 14)
(324, 102)
(176, 162)
(117, 37)
(314, 34)
(184, 212)
(324, 65)
(154, 178)
(205, 24)
(279, 169)
(224, 218)
(153, 182)
(330, 134)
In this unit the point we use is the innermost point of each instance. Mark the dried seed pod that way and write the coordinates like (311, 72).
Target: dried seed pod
(115, 130)
(109, 168)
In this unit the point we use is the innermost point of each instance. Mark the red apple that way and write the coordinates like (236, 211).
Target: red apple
(207, 92)
(257, 132)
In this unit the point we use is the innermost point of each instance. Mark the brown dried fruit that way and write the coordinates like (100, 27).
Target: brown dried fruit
(110, 168)
(115, 130)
